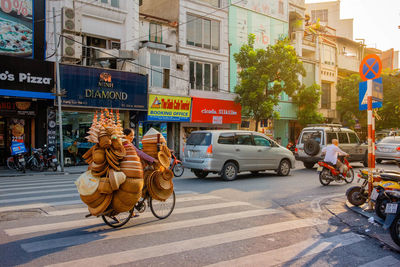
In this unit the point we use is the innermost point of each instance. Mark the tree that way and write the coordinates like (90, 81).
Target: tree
(307, 100)
(264, 75)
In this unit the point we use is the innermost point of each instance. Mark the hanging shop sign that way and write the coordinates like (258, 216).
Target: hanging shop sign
(169, 108)
(21, 77)
(51, 130)
(21, 108)
(94, 87)
(215, 111)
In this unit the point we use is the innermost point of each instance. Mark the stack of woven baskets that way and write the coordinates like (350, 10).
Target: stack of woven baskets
(114, 180)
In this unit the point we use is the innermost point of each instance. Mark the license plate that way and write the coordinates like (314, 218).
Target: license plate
(21, 160)
(54, 160)
(374, 195)
(319, 169)
(391, 208)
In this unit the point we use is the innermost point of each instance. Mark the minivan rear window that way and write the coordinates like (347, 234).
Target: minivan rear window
(317, 136)
(226, 138)
(199, 139)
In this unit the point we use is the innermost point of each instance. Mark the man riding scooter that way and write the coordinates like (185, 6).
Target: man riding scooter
(331, 156)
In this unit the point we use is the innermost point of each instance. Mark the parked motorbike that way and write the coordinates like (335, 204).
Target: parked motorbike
(387, 191)
(49, 159)
(328, 173)
(291, 147)
(17, 162)
(358, 195)
(35, 160)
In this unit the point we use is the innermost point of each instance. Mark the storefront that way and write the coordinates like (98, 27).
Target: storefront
(211, 114)
(165, 114)
(91, 89)
(25, 94)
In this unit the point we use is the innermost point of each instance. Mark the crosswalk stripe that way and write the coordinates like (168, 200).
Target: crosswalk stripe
(36, 184)
(31, 188)
(34, 180)
(137, 254)
(387, 261)
(87, 222)
(40, 205)
(38, 192)
(140, 230)
(11, 200)
(299, 250)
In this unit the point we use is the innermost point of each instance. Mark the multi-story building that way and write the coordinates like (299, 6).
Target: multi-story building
(268, 21)
(98, 43)
(200, 41)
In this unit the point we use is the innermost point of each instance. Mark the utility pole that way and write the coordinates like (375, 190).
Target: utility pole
(58, 92)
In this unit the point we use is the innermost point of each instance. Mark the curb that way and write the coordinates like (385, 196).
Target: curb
(40, 174)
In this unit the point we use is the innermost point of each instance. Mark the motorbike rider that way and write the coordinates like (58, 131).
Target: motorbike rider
(332, 152)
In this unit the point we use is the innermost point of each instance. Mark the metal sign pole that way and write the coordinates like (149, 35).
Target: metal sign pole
(371, 152)
(58, 92)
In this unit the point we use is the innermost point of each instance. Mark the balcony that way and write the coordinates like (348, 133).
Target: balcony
(348, 63)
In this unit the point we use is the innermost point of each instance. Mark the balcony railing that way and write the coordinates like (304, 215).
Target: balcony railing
(348, 63)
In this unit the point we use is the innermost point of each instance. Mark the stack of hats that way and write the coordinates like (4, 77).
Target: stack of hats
(151, 140)
(110, 176)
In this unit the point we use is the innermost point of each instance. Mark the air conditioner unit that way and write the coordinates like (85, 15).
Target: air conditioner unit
(71, 20)
(107, 53)
(71, 46)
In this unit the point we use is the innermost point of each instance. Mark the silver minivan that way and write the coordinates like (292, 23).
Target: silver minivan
(229, 152)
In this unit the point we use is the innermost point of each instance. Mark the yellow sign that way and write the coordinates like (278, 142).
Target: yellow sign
(169, 108)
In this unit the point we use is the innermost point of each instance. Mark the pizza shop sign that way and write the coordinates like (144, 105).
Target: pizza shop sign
(24, 78)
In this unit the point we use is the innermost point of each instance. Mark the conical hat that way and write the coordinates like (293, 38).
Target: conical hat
(151, 136)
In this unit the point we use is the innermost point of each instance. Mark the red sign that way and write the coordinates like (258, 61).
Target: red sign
(215, 111)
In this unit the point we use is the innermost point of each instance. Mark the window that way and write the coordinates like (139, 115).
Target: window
(202, 33)
(199, 139)
(326, 96)
(226, 138)
(113, 3)
(329, 137)
(204, 76)
(155, 32)
(311, 136)
(261, 141)
(214, 3)
(160, 70)
(343, 139)
(321, 14)
(89, 53)
(353, 138)
(245, 124)
(243, 139)
(329, 55)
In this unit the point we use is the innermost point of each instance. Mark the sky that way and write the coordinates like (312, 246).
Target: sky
(376, 21)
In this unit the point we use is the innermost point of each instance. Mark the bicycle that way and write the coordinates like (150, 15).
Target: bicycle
(176, 165)
(157, 207)
(17, 162)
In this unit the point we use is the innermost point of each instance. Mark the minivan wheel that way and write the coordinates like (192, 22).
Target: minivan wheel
(229, 171)
(309, 165)
(200, 174)
(284, 168)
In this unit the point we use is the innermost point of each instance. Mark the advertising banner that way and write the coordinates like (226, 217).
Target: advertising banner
(100, 88)
(169, 108)
(215, 111)
(17, 130)
(16, 28)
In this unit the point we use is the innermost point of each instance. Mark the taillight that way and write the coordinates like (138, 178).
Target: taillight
(209, 150)
(296, 150)
(398, 148)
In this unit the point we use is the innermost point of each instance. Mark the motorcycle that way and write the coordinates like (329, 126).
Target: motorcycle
(17, 162)
(35, 160)
(328, 173)
(387, 191)
(392, 220)
(49, 159)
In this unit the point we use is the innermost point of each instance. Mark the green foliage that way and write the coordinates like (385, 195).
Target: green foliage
(388, 115)
(307, 100)
(264, 75)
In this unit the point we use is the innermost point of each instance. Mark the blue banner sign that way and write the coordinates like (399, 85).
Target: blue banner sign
(101, 88)
(17, 148)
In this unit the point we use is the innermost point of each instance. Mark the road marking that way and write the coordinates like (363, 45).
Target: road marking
(11, 200)
(315, 203)
(18, 181)
(137, 254)
(385, 261)
(140, 230)
(87, 222)
(40, 205)
(70, 185)
(296, 251)
(37, 192)
(44, 183)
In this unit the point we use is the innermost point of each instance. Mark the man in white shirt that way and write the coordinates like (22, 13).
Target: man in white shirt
(331, 155)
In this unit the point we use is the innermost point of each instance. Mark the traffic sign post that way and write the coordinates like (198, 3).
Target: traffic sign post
(369, 90)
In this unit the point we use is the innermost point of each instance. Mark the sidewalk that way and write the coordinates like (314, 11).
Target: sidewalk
(67, 170)
(359, 219)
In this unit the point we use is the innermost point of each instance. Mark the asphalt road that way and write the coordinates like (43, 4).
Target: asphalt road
(262, 220)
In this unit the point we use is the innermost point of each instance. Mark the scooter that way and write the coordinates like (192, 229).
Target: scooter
(387, 191)
(328, 173)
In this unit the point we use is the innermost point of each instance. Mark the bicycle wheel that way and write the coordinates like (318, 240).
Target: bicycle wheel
(117, 220)
(11, 163)
(162, 209)
(178, 170)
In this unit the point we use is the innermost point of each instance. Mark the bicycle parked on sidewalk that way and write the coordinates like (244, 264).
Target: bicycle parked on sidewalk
(17, 162)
